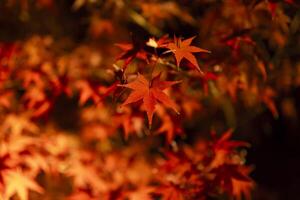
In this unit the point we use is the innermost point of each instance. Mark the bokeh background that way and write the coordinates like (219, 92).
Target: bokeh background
(229, 29)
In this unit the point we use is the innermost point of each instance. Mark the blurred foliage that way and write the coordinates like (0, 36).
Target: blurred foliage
(71, 129)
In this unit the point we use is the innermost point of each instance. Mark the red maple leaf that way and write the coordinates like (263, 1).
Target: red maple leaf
(224, 143)
(234, 180)
(183, 49)
(132, 51)
(7, 50)
(171, 192)
(170, 126)
(160, 43)
(204, 80)
(223, 147)
(150, 93)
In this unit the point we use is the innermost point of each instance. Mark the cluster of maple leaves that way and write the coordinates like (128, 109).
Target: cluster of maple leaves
(133, 108)
(46, 166)
(33, 150)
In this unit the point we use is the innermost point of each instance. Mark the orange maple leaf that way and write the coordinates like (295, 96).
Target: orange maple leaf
(18, 183)
(141, 193)
(130, 122)
(85, 176)
(182, 49)
(242, 188)
(18, 124)
(87, 92)
(150, 93)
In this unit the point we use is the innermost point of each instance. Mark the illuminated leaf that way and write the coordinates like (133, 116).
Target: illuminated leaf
(18, 183)
(150, 93)
(183, 49)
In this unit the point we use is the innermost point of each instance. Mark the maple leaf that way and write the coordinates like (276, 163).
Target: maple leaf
(235, 39)
(32, 78)
(182, 49)
(267, 98)
(170, 126)
(234, 180)
(5, 99)
(17, 144)
(170, 192)
(36, 100)
(36, 162)
(242, 188)
(160, 43)
(7, 50)
(141, 193)
(209, 76)
(98, 131)
(4, 165)
(87, 91)
(150, 93)
(16, 124)
(176, 169)
(85, 176)
(131, 51)
(16, 182)
(106, 91)
(224, 143)
(223, 146)
(130, 122)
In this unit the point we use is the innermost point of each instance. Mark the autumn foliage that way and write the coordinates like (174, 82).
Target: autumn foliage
(123, 116)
